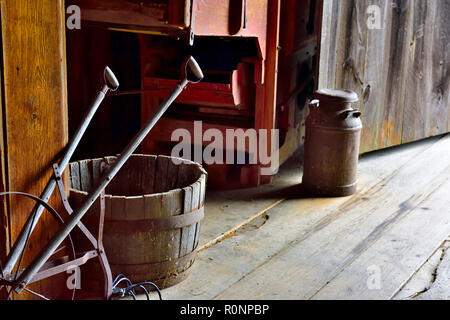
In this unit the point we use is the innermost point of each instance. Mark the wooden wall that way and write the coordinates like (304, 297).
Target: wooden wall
(34, 110)
(400, 71)
(89, 51)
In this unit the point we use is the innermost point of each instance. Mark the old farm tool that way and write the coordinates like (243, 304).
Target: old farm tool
(333, 130)
(40, 267)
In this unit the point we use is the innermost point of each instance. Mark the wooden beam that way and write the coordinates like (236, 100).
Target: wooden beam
(267, 118)
(4, 218)
(35, 103)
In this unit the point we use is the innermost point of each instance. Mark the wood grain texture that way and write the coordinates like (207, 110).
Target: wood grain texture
(145, 254)
(4, 216)
(375, 78)
(35, 110)
(417, 113)
(396, 63)
(266, 119)
(399, 246)
(400, 70)
(290, 222)
(147, 13)
(313, 261)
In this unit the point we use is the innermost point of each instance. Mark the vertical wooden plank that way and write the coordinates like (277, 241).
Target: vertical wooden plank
(85, 176)
(135, 208)
(348, 47)
(187, 205)
(351, 47)
(440, 80)
(94, 167)
(418, 97)
(35, 110)
(70, 176)
(201, 203)
(134, 242)
(397, 60)
(122, 182)
(171, 205)
(196, 190)
(172, 175)
(162, 164)
(4, 215)
(75, 176)
(187, 174)
(134, 174)
(153, 210)
(376, 72)
(266, 91)
(148, 174)
(118, 213)
(327, 67)
(266, 118)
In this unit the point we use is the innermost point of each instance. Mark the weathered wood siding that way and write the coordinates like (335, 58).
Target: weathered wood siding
(399, 70)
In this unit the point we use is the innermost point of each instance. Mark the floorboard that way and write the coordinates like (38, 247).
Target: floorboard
(304, 247)
(311, 263)
(397, 254)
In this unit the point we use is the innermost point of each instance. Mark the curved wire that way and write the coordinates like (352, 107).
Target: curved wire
(141, 284)
(57, 217)
(114, 283)
(145, 291)
(130, 289)
(131, 293)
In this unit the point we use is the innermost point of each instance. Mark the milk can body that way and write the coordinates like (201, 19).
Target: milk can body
(333, 131)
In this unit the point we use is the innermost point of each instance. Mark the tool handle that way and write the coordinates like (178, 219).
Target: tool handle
(111, 83)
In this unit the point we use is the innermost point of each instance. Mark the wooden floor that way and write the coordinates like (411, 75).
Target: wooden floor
(277, 243)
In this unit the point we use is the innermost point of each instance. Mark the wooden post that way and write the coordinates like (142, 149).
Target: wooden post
(34, 106)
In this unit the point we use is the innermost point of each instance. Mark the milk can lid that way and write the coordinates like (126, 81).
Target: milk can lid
(336, 95)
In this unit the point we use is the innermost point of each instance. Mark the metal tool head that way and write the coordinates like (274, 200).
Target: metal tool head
(191, 70)
(111, 80)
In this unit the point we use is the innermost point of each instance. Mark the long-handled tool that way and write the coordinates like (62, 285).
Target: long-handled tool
(111, 84)
(191, 72)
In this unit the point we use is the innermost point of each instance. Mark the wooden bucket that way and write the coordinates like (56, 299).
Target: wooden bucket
(153, 213)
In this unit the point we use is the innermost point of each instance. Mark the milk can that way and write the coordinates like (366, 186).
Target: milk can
(333, 131)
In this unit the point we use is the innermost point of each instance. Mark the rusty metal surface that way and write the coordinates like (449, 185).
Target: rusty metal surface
(333, 130)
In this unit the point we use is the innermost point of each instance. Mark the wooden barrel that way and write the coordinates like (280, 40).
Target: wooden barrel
(153, 213)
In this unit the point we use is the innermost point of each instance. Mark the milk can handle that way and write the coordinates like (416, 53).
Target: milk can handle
(352, 113)
(356, 113)
(314, 104)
